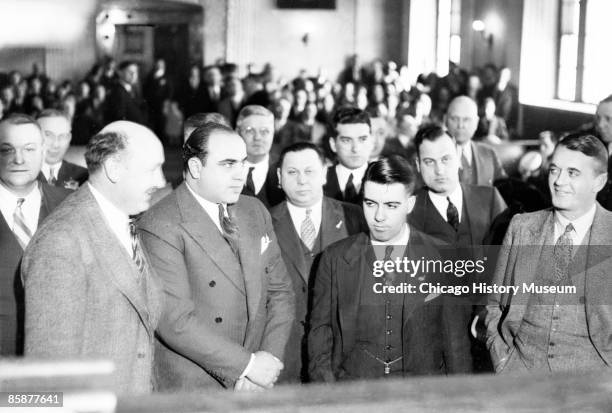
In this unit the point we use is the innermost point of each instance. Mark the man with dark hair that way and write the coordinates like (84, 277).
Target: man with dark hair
(563, 322)
(255, 124)
(305, 224)
(459, 215)
(123, 102)
(200, 119)
(352, 143)
(479, 164)
(229, 301)
(24, 204)
(57, 132)
(90, 291)
(363, 325)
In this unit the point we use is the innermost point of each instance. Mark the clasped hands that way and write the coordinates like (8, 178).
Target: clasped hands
(263, 373)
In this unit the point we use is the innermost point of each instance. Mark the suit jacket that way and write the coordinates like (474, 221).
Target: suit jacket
(342, 272)
(517, 264)
(338, 221)
(68, 173)
(121, 105)
(332, 186)
(11, 288)
(218, 310)
(270, 193)
(487, 164)
(84, 298)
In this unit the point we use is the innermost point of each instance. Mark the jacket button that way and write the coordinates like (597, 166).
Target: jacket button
(141, 355)
(303, 289)
(551, 344)
(212, 283)
(581, 300)
(551, 356)
(218, 320)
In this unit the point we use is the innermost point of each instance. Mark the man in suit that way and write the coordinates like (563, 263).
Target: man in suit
(479, 164)
(305, 224)
(229, 300)
(123, 101)
(564, 323)
(90, 291)
(255, 124)
(359, 327)
(24, 203)
(352, 143)
(459, 215)
(57, 132)
(212, 89)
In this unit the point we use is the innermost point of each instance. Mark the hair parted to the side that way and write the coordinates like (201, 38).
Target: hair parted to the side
(196, 145)
(388, 170)
(299, 147)
(590, 146)
(101, 147)
(252, 110)
(429, 133)
(200, 119)
(349, 115)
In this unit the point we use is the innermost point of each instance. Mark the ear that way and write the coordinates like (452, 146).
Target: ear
(417, 162)
(325, 173)
(600, 182)
(332, 144)
(411, 202)
(69, 137)
(112, 168)
(280, 180)
(194, 167)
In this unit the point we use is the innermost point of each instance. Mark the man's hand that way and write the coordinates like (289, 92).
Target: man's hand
(265, 369)
(246, 385)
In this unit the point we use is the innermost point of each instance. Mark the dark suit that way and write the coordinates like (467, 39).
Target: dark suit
(11, 289)
(344, 272)
(219, 309)
(338, 221)
(332, 187)
(123, 105)
(67, 174)
(270, 193)
(481, 205)
(486, 167)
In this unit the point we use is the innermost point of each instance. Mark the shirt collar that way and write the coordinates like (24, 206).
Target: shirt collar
(465, 148)
(46, 169)
(344, 172)
(118, 220)
(9, 196)
(401, 239)
(264, 162)
(456, 196)
(211, 208)
(581, 224)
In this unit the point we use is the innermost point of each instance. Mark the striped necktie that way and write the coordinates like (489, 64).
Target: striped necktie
(308, 233)
(137, 253)
(20, 229)
(52, 176)
(563, 254)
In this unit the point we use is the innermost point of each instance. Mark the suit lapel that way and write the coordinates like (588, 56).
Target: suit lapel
(114, 257)
(479, 164)
(333, 223)
(197, 223)
(332, 187)
(474, 208)
(538, 236)
(290, 240)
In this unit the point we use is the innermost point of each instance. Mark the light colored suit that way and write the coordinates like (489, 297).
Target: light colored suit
(83, 297)
(517, 263)
(219, 310)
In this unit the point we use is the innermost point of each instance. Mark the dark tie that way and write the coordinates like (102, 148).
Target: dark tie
(137, 253)
(52, 178)
(350, 193)
(389, 276)
(452, 215)
(563, 254)
(249, 181)
(465, 170)
(229, 229)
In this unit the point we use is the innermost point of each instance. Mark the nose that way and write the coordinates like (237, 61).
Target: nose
(18, 157)
(561, 179)
(438, 168)
(301, 179)
(380, 215)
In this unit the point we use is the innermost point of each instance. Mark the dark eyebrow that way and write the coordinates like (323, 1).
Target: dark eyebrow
(392, 203)
(369, 200)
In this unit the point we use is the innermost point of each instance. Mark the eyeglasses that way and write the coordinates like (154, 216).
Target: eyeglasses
(250, 132)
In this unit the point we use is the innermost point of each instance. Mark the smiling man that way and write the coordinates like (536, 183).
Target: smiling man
(566, 246)
(356, 331)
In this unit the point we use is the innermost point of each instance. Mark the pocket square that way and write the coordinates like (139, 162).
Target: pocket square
(339, 224)
(265, 241)
(432, 296)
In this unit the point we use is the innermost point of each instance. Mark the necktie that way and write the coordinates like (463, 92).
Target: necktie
(229, 229)
(350, 193)
(137, 253)
(52, 178)
(249, 181)
(452, 215)
(20, 229)
(307, 231)
(464, 171)
(389, 276)
(563, 254)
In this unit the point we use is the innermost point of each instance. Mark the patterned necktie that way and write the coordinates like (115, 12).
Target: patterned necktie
(52, 178)
(563, 254)
(308, 232)
(350, 193)
(249, 181)
(137, 253)
(389, 276)
(452, 215)
(20, 229)
(229, 229)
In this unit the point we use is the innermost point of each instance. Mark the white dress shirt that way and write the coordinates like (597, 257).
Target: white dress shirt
(260, 172)
(441, 203)
(467, 150)
(211, 208)
(30, 207)
(117, 220)
(343, 175)
(299, 213)
(46, 169)
(581, 226)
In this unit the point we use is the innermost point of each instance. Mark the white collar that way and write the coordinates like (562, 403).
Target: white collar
(441, 203)
(46, 169)
(298, 214)
(581, 224)
(211, 208)
(117, 220)
(343, 174)
(467, 149)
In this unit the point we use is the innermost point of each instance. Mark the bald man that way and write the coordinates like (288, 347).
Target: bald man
(89, 289)
(479, 163)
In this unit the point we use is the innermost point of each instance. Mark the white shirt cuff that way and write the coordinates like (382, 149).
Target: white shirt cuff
(248, 367)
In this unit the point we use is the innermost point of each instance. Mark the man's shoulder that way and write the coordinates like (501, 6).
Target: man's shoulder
(483, 148)
(166, 210)
(530, 219)
(278, 210)
(73, 167)
(53, 193)
(341, 247)
(248, 204)
(480, 192)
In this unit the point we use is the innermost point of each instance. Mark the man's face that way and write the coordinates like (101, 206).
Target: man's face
(385, 208)
(222, 176)
(574, 181)
(603, 119)
(353, 145)
(56, 132)
(302, 177)
(130, 74)
(380, 130)
(257, 132)
(21, 155)
(140, 174)
(439, 165)
(462, 121)
(408, 126)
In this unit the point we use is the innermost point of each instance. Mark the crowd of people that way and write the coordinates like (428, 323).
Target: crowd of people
(259, 267)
